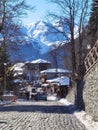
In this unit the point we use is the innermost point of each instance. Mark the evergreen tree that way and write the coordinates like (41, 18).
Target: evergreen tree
(3, 67)
(93, 22)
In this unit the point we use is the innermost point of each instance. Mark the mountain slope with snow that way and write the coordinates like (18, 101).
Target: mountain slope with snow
(38, 39)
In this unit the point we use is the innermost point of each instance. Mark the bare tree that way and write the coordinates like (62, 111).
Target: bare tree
(54, 55)
(10, 13)
(72, 14)
(58, 53)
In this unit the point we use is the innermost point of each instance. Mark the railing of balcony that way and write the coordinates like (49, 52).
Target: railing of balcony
(92, 57)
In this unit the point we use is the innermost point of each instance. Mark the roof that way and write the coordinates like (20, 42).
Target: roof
(17, 73)
(54, 70)
(39, 61)
(17, 81)
(64, 80)
(18, 67)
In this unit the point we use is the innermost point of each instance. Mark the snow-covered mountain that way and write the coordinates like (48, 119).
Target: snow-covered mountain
(36, 41)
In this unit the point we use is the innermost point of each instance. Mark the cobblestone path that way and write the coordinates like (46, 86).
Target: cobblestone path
(38, 116)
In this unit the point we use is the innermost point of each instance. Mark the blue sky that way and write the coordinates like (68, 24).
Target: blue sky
(41, 7)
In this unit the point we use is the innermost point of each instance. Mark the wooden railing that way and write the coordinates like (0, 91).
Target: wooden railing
(92, 57)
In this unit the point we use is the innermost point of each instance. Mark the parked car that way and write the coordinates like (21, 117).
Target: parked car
(41, 96)
(33, 93)
(37, 85)
(39, 90)
(34, 90)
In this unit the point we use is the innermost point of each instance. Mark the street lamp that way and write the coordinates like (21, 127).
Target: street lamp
(88, 46)
(5, 78)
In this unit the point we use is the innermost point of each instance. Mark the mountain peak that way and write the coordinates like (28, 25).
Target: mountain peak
(40, 36)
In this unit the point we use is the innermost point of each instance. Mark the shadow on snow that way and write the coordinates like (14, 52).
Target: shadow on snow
(60, 109)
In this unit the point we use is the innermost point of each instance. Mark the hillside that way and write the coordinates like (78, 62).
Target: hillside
(38, 40)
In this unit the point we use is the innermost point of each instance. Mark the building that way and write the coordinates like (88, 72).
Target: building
(33, 68)
(53, 72)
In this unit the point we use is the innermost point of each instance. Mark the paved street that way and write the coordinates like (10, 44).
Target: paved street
(38, 116)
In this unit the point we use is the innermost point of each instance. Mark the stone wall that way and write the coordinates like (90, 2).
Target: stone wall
(85, 94)
(90, 93)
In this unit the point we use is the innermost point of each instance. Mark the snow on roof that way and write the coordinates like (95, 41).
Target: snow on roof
(17, 73)
(18, 69)
(17, 66)
(17, 81)
(54, 70)
(45, 84)
(39, 61)
(64, 80)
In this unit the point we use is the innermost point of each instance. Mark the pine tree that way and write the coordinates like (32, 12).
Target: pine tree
(3, 61)
(93, 22)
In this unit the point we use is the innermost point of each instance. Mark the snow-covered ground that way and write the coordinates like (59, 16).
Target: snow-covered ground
(5, 102)
(52, 97)
(83, 117)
